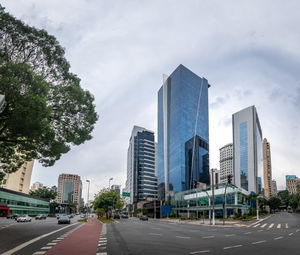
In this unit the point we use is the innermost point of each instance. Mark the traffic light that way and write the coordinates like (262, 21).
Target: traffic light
(195, 184)
(229, 178)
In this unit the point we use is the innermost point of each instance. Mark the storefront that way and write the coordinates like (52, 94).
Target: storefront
(12, 202)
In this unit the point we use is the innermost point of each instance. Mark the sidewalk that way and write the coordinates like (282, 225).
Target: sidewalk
(82, 241)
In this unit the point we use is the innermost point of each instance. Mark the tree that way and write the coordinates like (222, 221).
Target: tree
(295, 201)
(46, 110)
(274, 203)
(108, 200)
(284, 197)
(43, 193)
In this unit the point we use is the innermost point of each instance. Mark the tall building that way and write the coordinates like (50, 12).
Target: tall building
(267, 169)
(226, 163)
(214, 175)
(247, 150)
(292, 183)
(19, 180)
(183, 133)
(116, 188)
(36, 186)
(69, 189)
(274, 188)
(141, 180)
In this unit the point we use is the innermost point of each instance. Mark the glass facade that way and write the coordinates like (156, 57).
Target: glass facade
(244, 155)
(68, 192)
(259, 156)
(183, 132)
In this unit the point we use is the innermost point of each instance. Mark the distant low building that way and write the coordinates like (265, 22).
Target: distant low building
(274, 188)
(116, 188)
(292, 183)
(36, 186)
(54, 188)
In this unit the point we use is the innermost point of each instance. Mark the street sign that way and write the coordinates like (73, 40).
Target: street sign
(125, 194)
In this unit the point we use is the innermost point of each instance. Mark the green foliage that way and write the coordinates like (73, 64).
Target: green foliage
(295, 201)
(274, 203)
(284, 197)
(100, 212)
(108, 200)
(82, 220)
(46, 110)
(106, 220)
(43, 193)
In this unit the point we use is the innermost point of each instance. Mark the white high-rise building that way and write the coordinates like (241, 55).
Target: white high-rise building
(247, 150)
(36, 186)
(226, 163)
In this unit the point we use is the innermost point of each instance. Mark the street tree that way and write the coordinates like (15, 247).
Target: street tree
(295, 201)
(44, 192)
(274, 203)
(284, 197)
(46, 111)
(108, 200)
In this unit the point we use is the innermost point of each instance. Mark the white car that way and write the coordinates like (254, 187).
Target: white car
(23, 218)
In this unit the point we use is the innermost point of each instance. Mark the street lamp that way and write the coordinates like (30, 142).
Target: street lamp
(88, 193)
(110, 179)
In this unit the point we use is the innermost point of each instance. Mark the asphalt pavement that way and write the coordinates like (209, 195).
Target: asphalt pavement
(278, 234)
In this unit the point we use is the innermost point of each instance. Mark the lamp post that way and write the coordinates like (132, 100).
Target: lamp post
(213, 196)
(110, 179)
(88, 194)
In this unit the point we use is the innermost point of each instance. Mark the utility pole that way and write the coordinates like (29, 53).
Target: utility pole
(110, 179)
(257, 214)
(88, 195)
(154, 208)
(213, 196)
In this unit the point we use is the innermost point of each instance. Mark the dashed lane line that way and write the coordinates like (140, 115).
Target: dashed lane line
(247, 233)
(290, 234)
(230, 235)
(154, 234)
(231, 247)
(279, 237)
(183, 237)
(198, 252)
(21, 246)
(206, 237)
(297, 230)
(260, 230)
(263, 241)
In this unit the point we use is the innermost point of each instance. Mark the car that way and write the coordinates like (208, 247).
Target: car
(124, 216)
(64, 219)
(24, 218)
(12, 216)
(143, 217)
(83, 216)
(58, 215)
(289, 210)
(70, 216)
(41, 217)
(117, 216)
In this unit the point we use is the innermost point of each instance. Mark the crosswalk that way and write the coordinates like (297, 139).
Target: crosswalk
(271, 225)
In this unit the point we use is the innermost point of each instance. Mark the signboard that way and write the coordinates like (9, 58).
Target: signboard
(125, 194)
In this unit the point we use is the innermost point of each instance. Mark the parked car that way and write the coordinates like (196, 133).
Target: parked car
(117, 216)
(289, 210)
(64, 219)
(24, 218)
(41, 217)
(143, 217)
(12, 216)
(58, 215)
(70, 216)
(124, 216)
(82, 216)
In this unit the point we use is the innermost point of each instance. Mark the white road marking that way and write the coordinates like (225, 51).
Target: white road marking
(279, 226)
(101, 244)
(103, 238)
(205, 237)
(46, 248)
(286, 225)
(247, 233)
(184, 237)
(60, 238)
(21, 246)
(271, 226)
(263, 241)
(51, 243)
(297, 230)
(101, 253)
(256, 225)
(155, 228)
(154, 234)
(260, 230)
(197, 252)
(102, 241)
(234, 246)
(263, 225)
(39, 253)
(290, 234)
(279, 237)
(230, 235)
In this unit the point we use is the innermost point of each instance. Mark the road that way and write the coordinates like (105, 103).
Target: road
(15, 235)
(278, 234)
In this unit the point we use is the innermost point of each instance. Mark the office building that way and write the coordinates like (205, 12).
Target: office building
(69, 189)
(267, 169)
(274, 188)
(214, 175)
(116, 188)
(20, 180)
(247, 150)
(226, 163)
(141, 180)
(36, 186)
(54, 188)
(183, 133)
(292, 184)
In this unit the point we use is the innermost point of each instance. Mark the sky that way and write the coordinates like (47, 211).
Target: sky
(249, 51)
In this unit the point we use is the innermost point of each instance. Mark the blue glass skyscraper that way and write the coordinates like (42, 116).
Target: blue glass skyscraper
(183, 133)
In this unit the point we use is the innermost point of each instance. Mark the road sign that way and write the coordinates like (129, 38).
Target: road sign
(125, 194)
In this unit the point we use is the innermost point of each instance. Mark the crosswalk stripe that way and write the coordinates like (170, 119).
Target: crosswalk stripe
(286, 225)
(256, 225)
(279, 226)
(263, 225)
(271, 226)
